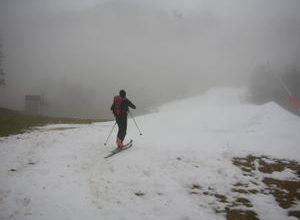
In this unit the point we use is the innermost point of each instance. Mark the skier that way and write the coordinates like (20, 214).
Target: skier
(120, 109)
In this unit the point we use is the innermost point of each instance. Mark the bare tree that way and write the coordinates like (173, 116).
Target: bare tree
(2, 72)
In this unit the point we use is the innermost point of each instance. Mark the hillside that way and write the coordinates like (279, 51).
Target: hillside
(15, 122)
(206, 157)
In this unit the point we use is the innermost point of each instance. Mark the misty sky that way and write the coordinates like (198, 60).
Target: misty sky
(78, 54)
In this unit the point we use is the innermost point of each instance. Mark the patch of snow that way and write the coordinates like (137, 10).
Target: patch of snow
(54, 173)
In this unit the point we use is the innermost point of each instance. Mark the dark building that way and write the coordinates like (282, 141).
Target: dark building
(33, 104)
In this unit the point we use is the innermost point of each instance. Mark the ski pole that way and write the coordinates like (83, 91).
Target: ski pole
(135, 123)
(110, 133)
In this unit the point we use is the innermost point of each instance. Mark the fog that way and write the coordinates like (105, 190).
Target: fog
(77, 56)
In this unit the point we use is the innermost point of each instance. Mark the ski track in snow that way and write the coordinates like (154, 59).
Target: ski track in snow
(59, 171)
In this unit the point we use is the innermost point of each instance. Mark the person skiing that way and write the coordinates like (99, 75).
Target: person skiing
(120, 109)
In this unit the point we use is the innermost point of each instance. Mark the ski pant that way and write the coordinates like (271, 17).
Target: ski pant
(122, 124)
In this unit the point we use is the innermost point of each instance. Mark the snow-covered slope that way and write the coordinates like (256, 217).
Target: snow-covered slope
(59, 171)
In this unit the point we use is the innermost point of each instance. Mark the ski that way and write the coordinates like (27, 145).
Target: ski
(117, 150)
